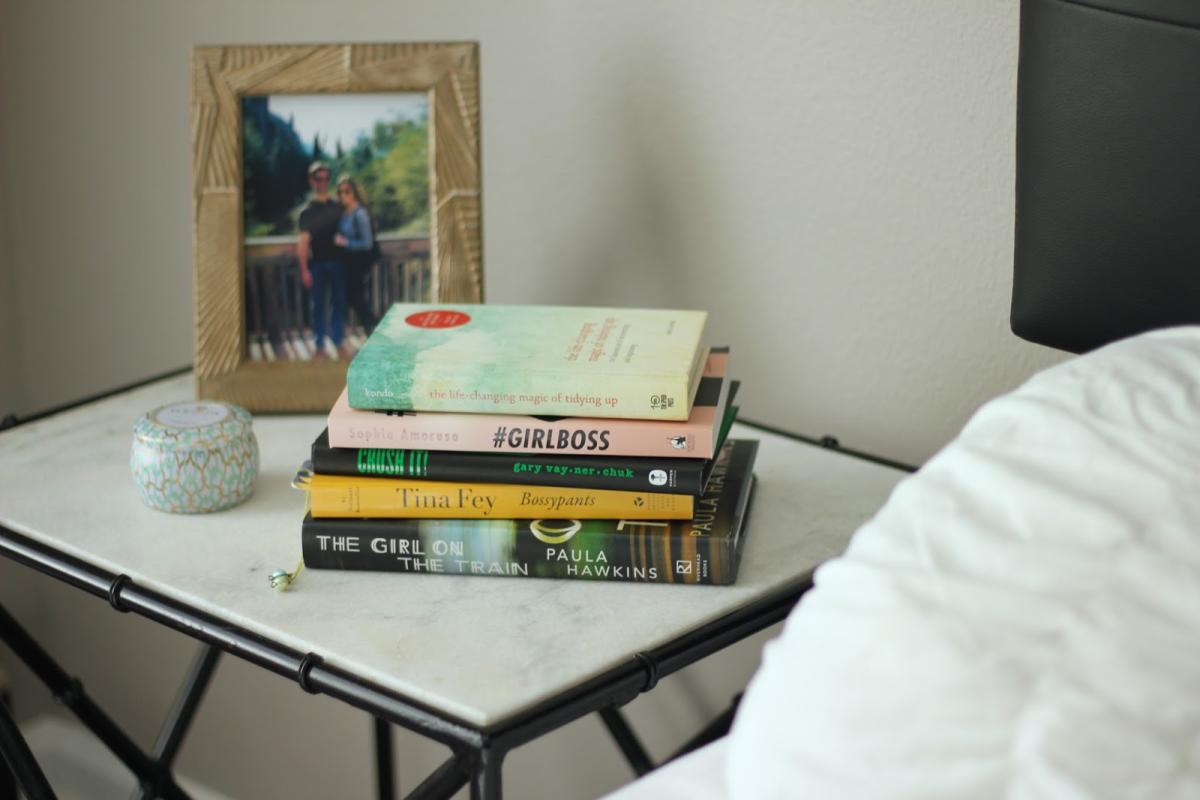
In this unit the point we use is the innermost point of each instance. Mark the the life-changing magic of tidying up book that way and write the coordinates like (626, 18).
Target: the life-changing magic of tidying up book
(557, 360)
(695, 437)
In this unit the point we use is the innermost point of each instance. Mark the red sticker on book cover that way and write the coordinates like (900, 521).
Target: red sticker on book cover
(437, 319)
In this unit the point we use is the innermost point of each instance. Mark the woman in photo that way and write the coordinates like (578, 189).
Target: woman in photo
(359, 249)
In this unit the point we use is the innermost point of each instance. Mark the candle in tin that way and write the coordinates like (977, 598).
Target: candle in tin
(189, 458)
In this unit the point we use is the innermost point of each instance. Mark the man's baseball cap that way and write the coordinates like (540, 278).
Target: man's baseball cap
(316, 167)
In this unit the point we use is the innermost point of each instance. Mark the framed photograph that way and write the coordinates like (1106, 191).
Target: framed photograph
(329, 182)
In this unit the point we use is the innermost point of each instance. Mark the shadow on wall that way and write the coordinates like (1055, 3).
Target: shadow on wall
(670, 204)
(646, 254)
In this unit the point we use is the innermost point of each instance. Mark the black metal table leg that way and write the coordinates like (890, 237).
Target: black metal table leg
(384, 771)
(179, 718)
(8, 781)
(485, 782)
(16, 753)
(183, 710)
(627, 740)
(70, 693)
(444, 781)
(714, 730)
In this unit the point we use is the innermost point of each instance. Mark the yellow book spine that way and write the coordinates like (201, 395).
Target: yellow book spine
(344, 496)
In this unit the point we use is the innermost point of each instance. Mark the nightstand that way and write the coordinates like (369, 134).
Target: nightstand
(482, 665)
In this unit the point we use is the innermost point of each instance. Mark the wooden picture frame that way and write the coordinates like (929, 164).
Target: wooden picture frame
(221, 77)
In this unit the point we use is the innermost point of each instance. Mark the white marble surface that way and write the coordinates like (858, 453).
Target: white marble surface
(481, 649)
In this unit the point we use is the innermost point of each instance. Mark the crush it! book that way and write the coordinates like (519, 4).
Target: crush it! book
(705, 549)
(665, 475)
(543, 360)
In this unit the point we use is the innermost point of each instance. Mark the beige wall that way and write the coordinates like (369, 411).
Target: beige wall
(832, 180)
(11, 372)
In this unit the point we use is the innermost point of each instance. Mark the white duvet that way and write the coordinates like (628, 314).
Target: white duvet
(1020, 620)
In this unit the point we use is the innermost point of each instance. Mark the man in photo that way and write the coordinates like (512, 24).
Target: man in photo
(320, 269)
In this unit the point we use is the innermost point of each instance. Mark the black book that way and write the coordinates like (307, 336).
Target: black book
(705, 549)
(626, 473)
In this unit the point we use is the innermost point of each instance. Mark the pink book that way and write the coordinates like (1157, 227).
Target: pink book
(502, 433)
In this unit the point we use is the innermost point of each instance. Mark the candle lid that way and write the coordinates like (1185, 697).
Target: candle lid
(194, 425)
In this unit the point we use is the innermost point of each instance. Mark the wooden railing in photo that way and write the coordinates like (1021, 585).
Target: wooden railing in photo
(278, 308)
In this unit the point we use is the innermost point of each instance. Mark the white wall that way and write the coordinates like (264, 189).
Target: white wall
(834, 181)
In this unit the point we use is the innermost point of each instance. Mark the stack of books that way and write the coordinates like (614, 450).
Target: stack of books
(533, 441)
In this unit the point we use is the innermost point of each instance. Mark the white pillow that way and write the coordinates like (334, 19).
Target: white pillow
(1021, 619)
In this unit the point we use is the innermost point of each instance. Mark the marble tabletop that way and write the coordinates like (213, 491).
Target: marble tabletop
(477, 648)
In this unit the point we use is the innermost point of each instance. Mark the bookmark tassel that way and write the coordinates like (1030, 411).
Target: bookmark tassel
(281, 579)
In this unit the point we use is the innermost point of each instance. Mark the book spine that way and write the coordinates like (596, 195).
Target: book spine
(666, 476)
(641, 551)
(516, 434)
(654, 397)
(341, 496)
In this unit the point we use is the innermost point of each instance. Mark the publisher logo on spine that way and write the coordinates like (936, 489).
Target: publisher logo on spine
(439, 318)
(555, 531)
(661, 402)
(658, 477)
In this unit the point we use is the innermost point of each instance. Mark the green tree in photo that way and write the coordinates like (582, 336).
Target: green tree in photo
(391, 165)
(274, 163)
(401, 176)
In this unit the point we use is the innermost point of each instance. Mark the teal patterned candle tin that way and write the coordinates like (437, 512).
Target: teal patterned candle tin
(189, 458)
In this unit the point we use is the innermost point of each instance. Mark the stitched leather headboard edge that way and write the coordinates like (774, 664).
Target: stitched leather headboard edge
(1107, 240)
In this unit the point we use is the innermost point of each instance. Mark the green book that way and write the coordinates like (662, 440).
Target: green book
(540, 360)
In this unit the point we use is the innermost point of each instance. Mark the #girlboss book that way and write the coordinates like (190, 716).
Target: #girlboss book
(543, 360)
(665, 475)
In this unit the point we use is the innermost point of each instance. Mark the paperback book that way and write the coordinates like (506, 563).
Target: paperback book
(557, 360)
(705, 549)
(343, 496)
(508, 433)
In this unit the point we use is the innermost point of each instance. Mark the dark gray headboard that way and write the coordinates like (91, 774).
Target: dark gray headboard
(1108, 170)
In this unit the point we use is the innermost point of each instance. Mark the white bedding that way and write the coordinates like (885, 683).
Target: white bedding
(1020, 620)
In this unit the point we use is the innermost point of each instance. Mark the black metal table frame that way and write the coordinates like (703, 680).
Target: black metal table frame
(477, 752)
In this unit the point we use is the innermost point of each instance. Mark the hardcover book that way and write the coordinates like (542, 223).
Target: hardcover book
(703, 550)
(558, 360)
(507, 433)
(342, 496)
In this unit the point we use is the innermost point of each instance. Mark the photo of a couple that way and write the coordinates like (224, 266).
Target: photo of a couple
(336, 215)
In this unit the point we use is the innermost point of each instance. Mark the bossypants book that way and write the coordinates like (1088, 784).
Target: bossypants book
(559, 360)
(705, 549)
(342, 496)
(695, 437)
